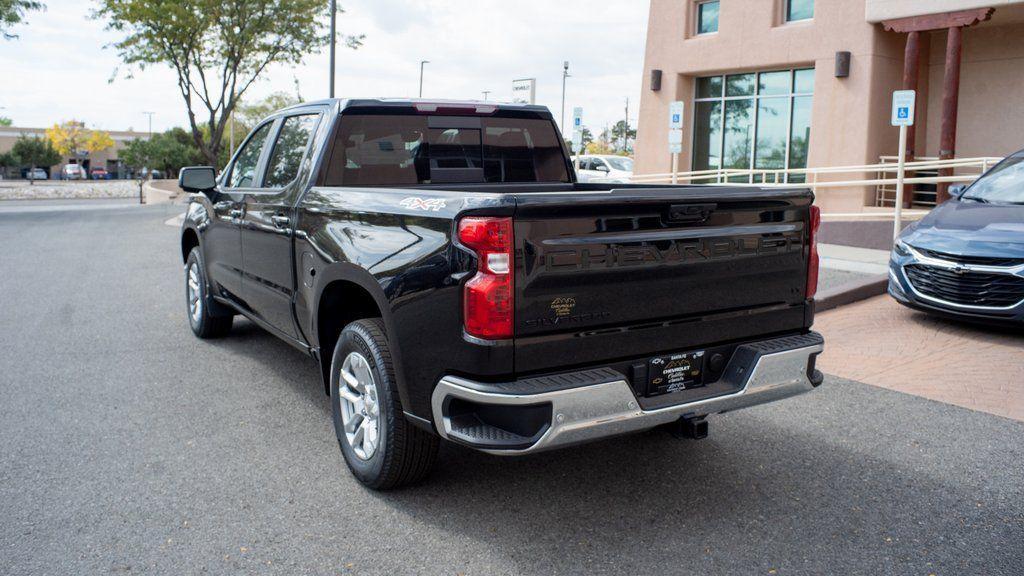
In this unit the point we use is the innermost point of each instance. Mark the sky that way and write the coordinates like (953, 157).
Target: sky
(59, 69)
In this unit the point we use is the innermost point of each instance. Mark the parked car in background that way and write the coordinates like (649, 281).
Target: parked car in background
(99, 174)
(966, 258)
(36, 174)
(73, 172)
(605, 168)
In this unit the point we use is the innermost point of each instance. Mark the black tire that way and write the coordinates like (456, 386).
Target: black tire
(212, 319)
(404, 454)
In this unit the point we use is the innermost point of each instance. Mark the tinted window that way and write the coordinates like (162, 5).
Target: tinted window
(707, 17)
(289, 148)
(243, 173)
(799, 10)
(390, 150)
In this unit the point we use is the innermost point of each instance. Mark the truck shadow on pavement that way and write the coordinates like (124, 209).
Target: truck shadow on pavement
(807, 484)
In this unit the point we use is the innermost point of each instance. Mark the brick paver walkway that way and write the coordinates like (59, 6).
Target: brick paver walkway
(879, 342)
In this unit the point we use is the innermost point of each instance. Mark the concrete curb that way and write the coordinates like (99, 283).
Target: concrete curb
(851, 292)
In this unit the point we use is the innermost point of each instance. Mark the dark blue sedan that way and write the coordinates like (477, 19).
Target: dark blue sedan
(966, 258)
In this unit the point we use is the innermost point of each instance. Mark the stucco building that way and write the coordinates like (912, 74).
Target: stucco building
(104, 159)
(807, 83)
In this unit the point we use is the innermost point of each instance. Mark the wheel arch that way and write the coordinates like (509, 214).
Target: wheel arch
(189, 240)
(347, 293)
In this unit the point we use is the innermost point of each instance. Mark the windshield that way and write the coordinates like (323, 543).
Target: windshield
(1004, 184)
(624, 164)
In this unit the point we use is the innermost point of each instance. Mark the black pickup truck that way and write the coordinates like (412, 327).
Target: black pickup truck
(454, 281)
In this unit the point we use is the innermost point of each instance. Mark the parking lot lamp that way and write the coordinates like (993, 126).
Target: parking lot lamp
(422, 64)
(565, 74)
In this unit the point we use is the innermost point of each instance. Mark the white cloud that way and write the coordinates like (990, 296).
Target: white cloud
(60, 69)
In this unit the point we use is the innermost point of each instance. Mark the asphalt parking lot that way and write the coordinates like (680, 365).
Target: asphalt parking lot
(128, 446)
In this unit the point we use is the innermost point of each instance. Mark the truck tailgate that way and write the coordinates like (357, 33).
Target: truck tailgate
(640, 271)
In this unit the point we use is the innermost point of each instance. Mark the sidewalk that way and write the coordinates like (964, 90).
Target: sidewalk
(879, 342)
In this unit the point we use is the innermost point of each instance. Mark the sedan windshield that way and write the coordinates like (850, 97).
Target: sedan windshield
(624, 164)
(1004, 184)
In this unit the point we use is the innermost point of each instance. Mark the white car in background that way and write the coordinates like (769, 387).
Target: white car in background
(604, 168)
(73, 172)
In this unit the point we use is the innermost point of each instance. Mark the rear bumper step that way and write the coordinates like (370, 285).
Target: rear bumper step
(548, 412)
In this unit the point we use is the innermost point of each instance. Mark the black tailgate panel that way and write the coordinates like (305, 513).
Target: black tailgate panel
(600, 269)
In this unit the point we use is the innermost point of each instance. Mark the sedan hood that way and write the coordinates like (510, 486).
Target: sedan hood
(971, 229)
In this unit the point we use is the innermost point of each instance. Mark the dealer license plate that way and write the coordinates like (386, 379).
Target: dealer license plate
(675, 372)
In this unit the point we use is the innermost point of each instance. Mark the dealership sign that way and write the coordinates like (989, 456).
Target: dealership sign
(524, 91)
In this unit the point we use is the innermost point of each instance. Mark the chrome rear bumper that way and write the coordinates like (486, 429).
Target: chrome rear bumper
(603, 403)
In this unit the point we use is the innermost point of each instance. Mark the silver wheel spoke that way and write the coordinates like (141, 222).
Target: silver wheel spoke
(357, 401)
(349, 395)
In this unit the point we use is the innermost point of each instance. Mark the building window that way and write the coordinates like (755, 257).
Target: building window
(756, 120)
(707, 17)
(799, 10)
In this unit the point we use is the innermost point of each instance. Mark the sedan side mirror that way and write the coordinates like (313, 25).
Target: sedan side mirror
(957, 190)
(601, 168)
(200, 179)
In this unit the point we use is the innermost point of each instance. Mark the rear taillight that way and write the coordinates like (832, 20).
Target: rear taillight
(812, 261)
(487, 299)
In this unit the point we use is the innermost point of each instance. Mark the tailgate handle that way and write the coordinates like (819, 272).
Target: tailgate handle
(690, 212)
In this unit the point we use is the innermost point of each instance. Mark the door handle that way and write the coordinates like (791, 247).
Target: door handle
(280, 221)
(236, 213)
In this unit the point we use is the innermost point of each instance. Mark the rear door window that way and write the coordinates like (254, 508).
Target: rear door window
(394, 150)
(289, 149)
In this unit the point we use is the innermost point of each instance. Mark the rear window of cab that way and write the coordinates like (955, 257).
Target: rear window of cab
(395, 150)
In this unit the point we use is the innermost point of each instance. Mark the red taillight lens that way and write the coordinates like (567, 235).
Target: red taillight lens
(812, 261)
(488, 298)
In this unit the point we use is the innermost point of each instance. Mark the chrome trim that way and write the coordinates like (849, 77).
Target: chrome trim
(609, 409)
(919, 258)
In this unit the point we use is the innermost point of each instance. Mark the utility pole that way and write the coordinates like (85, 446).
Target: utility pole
(486, 93)
(565, 74)
(625, 131)
(334, 36)
(422, 64)
(150, 114)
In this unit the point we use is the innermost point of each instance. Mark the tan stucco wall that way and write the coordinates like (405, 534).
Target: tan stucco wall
(850, 116)
(990, 118)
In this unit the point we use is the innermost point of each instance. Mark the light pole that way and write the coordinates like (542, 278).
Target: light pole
(486, 93)
(422, 64)
(150, 114)
(334, 23)
(565, 74)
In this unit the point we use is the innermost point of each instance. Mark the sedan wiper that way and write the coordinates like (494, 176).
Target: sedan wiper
(976, 199)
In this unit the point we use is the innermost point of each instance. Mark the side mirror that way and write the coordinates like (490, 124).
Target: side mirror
(601, 168)
(200, 179)
(957, 190)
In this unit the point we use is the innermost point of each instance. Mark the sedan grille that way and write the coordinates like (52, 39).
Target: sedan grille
(967, 288)
(975, 260)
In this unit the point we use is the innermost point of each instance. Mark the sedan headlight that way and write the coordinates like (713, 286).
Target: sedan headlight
(901, 248)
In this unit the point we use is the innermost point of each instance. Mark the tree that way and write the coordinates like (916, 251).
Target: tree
(68, 138)
(13, 12)
(622, 131)
(168, 151)
(98, 141)
(249, 114)
(36, 152)
(8, 160)
(217, 48)
(5, 121)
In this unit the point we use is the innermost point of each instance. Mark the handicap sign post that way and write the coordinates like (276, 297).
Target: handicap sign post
(675, 136)
(903, 102)
(577, 134)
